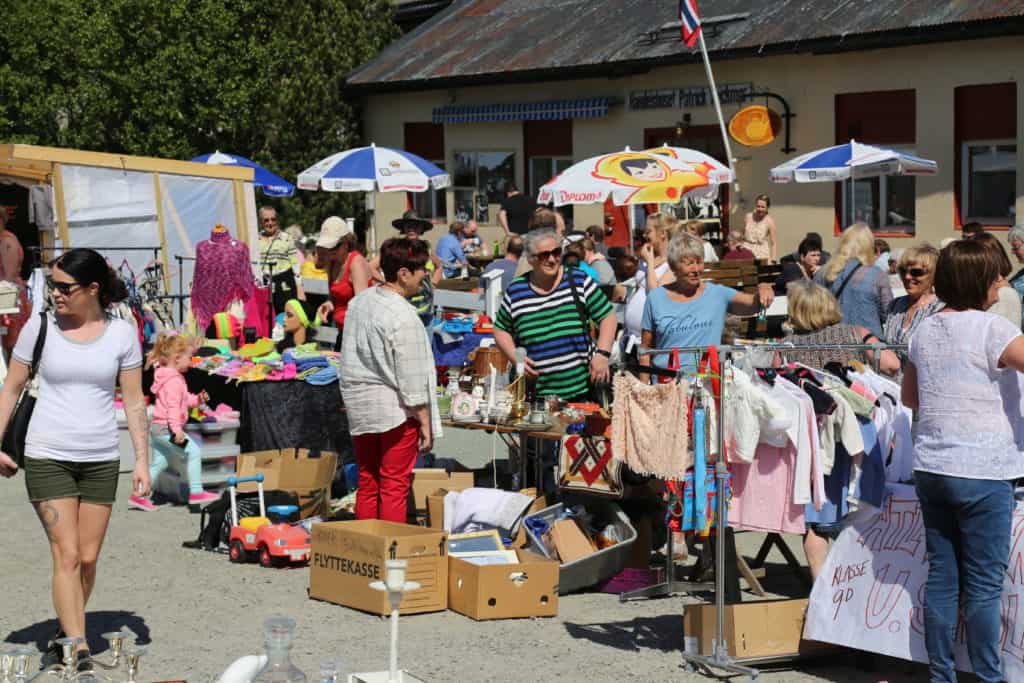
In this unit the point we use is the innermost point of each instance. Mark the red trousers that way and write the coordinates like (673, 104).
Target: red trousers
(385, 468)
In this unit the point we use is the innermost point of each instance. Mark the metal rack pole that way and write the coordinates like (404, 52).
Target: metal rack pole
(719, 657)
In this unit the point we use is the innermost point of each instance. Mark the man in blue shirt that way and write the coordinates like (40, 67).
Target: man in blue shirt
(451, 249)
(508, 265)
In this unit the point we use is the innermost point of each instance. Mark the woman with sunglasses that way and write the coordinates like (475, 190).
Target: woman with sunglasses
(71, 450)
(916, 269)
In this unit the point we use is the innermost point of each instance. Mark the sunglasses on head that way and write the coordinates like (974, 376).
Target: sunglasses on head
(914, 272)
(64, 288)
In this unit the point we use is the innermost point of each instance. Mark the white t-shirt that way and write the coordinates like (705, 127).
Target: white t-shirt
(969, 408)
(74, 414)
(634, 316)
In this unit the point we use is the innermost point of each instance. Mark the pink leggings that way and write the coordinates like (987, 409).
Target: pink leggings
(385, 465)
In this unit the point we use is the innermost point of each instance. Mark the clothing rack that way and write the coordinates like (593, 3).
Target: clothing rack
(719, 657)
(670, 586)
(40, 250)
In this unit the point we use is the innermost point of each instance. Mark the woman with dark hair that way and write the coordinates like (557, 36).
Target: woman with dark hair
(960, 382)
(347, 270)
(388, 382)
(71, 450)
(806, 265)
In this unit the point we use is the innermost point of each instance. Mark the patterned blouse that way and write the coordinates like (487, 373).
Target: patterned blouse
(839, 333)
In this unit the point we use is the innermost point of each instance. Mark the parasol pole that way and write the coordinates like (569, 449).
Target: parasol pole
(718, 108)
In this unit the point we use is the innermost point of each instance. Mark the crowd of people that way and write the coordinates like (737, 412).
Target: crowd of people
(957, 322)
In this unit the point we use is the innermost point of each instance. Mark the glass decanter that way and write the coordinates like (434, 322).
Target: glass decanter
(278, 632)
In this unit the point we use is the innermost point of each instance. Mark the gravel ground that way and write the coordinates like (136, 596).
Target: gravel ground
(198, 613)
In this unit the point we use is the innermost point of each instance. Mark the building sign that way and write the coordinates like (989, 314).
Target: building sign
(689, 97)
(652, 99)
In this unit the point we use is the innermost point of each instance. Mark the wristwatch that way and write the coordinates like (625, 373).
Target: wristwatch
(606, 354)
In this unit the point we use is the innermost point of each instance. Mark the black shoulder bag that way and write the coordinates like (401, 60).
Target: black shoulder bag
(17, 427)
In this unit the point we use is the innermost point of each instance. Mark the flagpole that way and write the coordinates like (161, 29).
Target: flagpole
(718, 107)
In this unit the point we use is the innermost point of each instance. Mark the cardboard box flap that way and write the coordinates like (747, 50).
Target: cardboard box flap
(288, 469)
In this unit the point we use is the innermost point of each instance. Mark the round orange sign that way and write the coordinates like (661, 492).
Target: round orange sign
(754, 126)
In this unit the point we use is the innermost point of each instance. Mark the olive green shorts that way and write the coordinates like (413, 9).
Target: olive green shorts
(90, 482)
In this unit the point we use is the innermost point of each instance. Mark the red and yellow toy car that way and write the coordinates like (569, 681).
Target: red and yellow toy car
(269, 540)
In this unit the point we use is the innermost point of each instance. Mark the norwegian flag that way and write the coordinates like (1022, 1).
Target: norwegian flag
(690, 21)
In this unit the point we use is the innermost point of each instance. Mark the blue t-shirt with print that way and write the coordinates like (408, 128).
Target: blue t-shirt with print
(693, 323)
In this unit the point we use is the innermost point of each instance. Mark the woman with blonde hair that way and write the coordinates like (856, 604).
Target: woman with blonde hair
(815, 319)
(863, 292)
(653, 254)
(916, 268)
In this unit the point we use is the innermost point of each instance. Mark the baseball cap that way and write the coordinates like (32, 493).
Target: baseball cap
(332, 230)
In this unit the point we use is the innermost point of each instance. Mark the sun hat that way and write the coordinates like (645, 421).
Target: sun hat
(410, 219)
(332, 230)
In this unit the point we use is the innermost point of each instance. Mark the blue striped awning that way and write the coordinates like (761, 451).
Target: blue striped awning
(552, 110)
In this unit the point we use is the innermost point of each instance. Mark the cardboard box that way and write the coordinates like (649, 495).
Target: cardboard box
(304, 473)
(426, 481)
(504, 591)
(347, 556)
(569, 541)
(435, 513)
(435, 509)
(766, 628)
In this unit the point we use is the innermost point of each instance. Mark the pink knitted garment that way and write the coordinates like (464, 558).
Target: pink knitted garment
(649, 427)
(222, 275)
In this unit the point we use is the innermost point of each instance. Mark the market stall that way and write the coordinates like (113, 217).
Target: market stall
(127, 207)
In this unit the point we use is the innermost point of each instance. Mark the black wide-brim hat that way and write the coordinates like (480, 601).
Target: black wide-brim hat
(410, 220)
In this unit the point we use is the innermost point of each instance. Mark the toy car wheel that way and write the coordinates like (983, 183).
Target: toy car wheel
(236, 552)
(266, 559)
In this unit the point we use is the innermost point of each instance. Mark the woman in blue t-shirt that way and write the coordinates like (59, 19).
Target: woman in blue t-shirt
(688, 311)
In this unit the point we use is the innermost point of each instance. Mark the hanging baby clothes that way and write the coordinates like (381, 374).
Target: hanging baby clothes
(893, 421)
(769, 494)
(649, 426)
(222, 274)
(748, 411)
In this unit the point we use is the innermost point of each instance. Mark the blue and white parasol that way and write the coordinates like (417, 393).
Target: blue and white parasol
(851, 161)
(270, 183)
(370, 169)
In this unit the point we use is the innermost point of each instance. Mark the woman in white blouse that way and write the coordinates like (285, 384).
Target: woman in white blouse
(388, 382)
(962, 381)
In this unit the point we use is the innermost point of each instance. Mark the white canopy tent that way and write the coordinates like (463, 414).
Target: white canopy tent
(111, 201)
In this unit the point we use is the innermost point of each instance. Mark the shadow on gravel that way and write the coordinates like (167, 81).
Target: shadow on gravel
(649, 633)
(96, 623)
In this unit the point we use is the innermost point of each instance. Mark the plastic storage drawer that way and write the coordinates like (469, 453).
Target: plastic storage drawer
(593, 569)
(213, 433)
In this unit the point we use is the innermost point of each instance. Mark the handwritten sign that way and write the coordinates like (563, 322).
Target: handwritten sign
(871, 590)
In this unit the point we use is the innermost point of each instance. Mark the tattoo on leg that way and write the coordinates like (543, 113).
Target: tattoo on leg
(48, 515)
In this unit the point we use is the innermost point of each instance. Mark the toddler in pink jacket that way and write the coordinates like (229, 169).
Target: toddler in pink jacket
(172, 355)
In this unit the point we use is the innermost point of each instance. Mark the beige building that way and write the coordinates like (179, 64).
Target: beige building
(511, 92)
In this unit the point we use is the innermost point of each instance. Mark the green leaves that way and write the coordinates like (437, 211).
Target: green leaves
(178, 78)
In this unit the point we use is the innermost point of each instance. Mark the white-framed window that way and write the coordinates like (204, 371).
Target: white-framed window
(886, 203)
(431, 204)
(543, 169)
(988, 177)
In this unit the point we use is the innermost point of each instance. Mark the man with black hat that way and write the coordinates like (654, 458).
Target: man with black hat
(412, 228)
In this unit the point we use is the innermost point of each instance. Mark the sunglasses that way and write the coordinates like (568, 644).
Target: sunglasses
(65, 288)
(555, 253)
(914, 272)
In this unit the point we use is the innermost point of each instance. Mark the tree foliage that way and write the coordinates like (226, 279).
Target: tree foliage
(178, 78)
